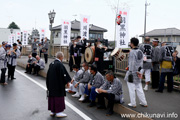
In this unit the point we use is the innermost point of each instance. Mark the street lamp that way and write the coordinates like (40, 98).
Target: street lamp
(146, 4)
(51, 20)
(11, 30)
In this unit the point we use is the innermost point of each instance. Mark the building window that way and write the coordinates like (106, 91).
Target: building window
(169, 39)
(72, 35)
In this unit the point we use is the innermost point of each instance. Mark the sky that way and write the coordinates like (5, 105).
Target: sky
(29, 14)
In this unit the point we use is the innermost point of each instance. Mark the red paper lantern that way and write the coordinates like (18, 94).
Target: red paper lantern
(119, 19)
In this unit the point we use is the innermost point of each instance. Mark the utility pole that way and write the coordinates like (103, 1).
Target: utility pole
(146, 4)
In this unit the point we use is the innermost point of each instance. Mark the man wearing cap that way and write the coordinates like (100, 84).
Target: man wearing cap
(155, 64)
(3, 61)
(147, 50)
(34, 48)
(12, 62)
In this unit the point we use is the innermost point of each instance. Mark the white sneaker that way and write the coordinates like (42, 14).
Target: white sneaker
(82, 98)
(146, 88)
(67, 89)
(52, 114)
(143, 105)
(76, 95)
(61, 114)
(130, 105)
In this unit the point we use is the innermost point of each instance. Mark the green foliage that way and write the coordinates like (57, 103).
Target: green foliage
(13, 25)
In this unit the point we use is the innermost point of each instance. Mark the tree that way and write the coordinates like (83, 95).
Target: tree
(13, 25)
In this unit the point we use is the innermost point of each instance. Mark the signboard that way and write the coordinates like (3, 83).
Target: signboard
(10, 40)
(85, 26)
(122, 35)
(65, 32)
(18, 36)
(42, 34)
(25, 38)
(13, 38)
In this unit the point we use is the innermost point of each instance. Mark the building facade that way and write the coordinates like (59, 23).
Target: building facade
(164, 35)
(4, 34)
(95, 32)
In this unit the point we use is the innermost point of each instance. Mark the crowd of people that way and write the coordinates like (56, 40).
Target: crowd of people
(43, 47)
(35, 60)
(77, 52)
(8, 60)
(154, 61)
(9, 55)
(88, 84)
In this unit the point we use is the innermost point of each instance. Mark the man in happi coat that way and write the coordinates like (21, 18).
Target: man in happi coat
(57, 78)
(45, 50)
(3, 61)
(34, 48)
(155, 64)
(147, 50)
(166, 60)
(12, 61)
(135, 63)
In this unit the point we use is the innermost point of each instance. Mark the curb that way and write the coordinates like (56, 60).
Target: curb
(118, 108)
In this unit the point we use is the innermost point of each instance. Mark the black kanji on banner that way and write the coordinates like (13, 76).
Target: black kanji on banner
(65, 31)
(65, 27)
(85, 33)
(84, 27)
(122, 27)
(122, 34)
(123, 19)
(122, 42)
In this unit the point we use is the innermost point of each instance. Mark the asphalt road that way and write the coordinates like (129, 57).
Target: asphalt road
(25, 99)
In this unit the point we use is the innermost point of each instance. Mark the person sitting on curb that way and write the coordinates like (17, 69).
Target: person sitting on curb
(30, 64)
(112, 90)
(39, 64)
(75, 80)
(96, 82)
(83, 81)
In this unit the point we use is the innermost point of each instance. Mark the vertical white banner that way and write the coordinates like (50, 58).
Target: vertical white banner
(25, 38)
(18, 36)
(42, 34)
(122, 34)
(85, 26)
(65, 32)
(10, 40)
(13, 37)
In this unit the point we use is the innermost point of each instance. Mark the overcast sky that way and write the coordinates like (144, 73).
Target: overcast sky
(161, 13)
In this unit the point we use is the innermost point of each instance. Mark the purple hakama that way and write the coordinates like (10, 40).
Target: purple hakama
(56, 104)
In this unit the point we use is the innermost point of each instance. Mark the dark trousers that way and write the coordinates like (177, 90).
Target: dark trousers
(46, 58)
(110, 97)
(92, 93)
(40, 52)
(3, 72)
(169, 81)
(155, 79)
(34, 55)
(100, 66)
(70, 63)
(36, 69)
(29, 69)
(11, 70)
(78, 61)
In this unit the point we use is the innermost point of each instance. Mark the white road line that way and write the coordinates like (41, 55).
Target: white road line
(84, 116)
